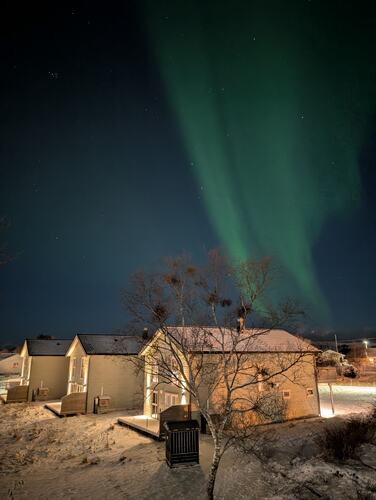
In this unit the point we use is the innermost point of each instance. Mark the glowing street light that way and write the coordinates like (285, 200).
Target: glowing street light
(365, 342)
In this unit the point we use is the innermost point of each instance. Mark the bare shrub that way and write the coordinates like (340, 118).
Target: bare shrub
(341, 440)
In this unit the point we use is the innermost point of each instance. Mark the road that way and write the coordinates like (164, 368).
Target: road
(347, 399)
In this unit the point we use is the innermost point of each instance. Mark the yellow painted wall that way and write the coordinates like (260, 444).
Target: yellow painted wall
(53, 371)
(297, 380)
(117, 375)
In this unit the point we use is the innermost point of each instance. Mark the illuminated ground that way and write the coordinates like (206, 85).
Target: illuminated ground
(91, 457)
(347, 399)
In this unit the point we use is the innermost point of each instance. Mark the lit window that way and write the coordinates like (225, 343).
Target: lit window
(154, 372)
(154, 405)
(260, 384)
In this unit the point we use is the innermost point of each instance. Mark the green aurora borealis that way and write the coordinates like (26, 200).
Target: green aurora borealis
(274, 101)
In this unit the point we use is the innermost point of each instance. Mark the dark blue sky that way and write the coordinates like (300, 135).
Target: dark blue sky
(96, 182)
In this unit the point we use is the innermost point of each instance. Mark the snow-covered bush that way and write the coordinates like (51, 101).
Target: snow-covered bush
(341, 440)
(349, 371)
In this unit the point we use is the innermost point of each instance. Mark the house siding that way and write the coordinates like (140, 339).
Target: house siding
(53, 371)
(116, 375)
(297, 380)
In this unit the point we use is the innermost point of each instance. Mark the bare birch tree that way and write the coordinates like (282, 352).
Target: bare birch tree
(209, 347)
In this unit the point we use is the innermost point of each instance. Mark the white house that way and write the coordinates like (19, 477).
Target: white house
(276, 363)
(45, 367)
(10, 363)
(101, 368)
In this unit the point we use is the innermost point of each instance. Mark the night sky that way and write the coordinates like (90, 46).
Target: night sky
(135, 130)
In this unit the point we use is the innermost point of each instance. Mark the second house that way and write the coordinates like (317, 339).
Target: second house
(103, 375)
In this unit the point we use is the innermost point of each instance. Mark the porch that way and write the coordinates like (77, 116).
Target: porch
(55, 407)
(15, 394)
(71, 404)
(143, 424)
(155, 426)
(8, 381)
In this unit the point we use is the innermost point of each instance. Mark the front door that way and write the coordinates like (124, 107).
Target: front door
(154, 405)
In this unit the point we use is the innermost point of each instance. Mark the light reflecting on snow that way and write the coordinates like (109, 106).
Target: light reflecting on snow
(347, 399)
(327, 412)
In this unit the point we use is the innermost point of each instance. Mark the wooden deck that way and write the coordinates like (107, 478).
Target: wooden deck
(71, 404)
(54, 407)
(16, 394)
(143, 424)
(154, 427)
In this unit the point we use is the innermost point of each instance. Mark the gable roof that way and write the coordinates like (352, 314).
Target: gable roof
(110, 344)
(47, 347)
(252, 340)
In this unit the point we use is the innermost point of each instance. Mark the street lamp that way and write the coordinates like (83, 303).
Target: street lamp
(365, 342)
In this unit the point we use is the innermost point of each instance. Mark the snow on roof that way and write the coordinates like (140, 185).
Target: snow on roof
(110, 344)
(47, 347)
(5, 355)
(211, 339)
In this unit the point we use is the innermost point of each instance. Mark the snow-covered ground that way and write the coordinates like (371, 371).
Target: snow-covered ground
(347, 399)
(91, 457)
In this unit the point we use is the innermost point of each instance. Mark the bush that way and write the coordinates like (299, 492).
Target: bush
(342, 440)
(372, 415)
(349, 372)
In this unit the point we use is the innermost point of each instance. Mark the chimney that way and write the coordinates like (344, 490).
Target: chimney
(240, 324)
(145, 333)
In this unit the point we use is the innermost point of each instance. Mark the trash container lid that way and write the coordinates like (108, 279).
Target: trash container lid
(181, 425)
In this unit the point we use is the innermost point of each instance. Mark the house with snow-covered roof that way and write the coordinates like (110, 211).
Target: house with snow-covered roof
(102, 374)
(44, 372)
(272, 362)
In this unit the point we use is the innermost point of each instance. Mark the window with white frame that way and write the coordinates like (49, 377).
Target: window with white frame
(286, 394)
(171, 399)
(154, 373)
(260, 383)
(154, 404)
(82, 368)
(73, 368)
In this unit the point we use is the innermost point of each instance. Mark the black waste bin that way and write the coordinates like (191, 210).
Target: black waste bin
(182, 442)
